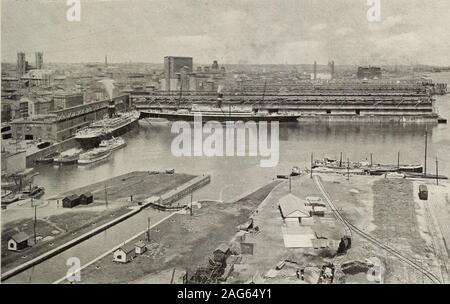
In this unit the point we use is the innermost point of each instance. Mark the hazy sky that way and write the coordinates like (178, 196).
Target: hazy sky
(231, 31)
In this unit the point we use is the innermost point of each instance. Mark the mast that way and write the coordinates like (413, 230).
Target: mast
(426, 144)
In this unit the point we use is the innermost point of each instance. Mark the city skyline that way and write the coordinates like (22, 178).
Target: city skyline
(233, 32)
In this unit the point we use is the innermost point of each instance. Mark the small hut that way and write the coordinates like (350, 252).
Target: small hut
(71, 201)
(86, 198)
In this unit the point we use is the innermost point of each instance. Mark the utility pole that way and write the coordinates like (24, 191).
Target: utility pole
(398, 160)
(148, 229)
(340, 161)
(35, 220)
(290, 187)
(426, 143)
(106, 197)
(191, 202)
(311, 164)
(437, 172)
(371, 163)
(348, 168)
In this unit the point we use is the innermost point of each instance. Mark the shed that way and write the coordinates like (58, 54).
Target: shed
(71, 201)
(18, 241)
(140, 247)
(318, 210)
(125, 253)
(292, 207)
(86, 198)
(315, 201)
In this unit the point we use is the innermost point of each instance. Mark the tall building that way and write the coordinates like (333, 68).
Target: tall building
(172, 68)
(21, 64)
(39, 60)
(369, 72)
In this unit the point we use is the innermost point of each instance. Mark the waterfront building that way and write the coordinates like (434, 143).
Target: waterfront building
(62, 124)
(63, 100)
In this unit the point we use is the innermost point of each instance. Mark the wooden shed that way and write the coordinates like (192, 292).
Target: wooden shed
(18, 241)
(86, 198)
(71, 201)
(140, 247)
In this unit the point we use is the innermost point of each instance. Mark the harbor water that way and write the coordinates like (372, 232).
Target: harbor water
(149, 148)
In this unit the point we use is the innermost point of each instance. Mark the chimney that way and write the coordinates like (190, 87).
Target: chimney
(315, 70)
(332, 69)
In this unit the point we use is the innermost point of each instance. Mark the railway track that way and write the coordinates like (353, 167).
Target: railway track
(352, 228)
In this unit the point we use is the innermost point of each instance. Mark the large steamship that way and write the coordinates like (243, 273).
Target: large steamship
(114, 125)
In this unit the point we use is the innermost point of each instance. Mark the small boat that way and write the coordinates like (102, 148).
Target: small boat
(295, 171)
(94, 155)
(9, 199)
(68, 157)
(33, 192)
(44, 144)
(48, 159)
(113, 144)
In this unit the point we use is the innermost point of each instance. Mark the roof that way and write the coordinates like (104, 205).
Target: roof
(320, 243)
(140, 244)
(292, 206)
(223, 248)
(72, 197)
(87, 194)
(20, 237)
(127, 248)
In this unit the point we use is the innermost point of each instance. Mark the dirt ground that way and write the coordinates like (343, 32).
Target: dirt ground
(384, 208)
(209, 226)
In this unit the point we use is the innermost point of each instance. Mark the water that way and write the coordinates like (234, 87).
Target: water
(148, 148)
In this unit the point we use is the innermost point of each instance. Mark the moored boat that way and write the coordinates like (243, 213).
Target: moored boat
(33, 192)
(68, 157)
(93, 156)
(113, 144)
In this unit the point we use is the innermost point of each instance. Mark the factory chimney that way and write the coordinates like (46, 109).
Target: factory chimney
(315, 70)
(332, 69)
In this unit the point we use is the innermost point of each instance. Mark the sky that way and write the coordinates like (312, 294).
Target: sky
(230, 31)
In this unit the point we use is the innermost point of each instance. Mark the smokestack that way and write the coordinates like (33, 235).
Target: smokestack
(219, 96)
(332, 69)
(315, 70)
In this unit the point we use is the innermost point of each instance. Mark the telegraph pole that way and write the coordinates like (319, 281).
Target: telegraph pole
(191, 202)
(106, 197)
(148, 229)
(290, 187)
(437, 172)
(311, 164)
(35, 220)
(426, 144)
(348, 168)
(398, 160)
(371, 163)
(340, 161)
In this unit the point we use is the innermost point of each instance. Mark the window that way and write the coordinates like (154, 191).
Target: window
(328, 111)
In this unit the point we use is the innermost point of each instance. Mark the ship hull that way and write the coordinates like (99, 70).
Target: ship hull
(88, 143)
(220, 118)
